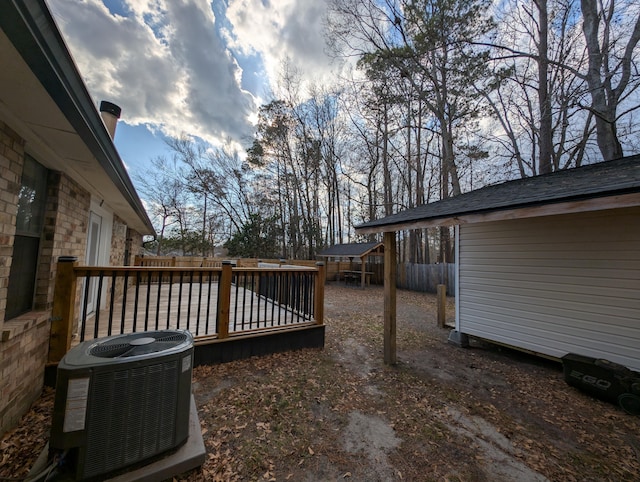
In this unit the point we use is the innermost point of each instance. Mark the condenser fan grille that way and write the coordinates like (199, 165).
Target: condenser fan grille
(135, 344)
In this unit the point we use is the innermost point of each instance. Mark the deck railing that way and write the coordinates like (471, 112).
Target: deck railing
(211, 302)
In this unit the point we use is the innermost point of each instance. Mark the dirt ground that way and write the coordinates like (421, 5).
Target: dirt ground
(442, 413)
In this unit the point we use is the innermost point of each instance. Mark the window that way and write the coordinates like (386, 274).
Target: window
(29, 223)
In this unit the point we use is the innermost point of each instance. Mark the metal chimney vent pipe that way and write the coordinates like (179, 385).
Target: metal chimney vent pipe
(110, 114)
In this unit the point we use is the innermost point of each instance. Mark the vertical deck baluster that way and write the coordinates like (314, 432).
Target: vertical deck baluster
(169, 299)
(199, 304)
(206, 321)
(291, 301)
(261, 285)
(238, 317)
(282, 297)
(253, 287)
(244, 298)
(300, 284)
(124, 300)
(85, 302)
(189, 298)
(111, 303)
(241, 280)
(295, 293)
(148, 301)
(312, 309)
(305, 297)
(274, 299)
(158, 298)
(96, 324)
(297, 296)
(135, 302)
(307, 288)
(180, 299)
(218, 308)
(235, 305)
(291, 296)
(285, 299)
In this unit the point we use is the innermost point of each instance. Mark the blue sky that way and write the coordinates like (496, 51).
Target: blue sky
(189, 67)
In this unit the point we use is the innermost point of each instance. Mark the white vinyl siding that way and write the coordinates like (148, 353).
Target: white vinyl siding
(554, 285)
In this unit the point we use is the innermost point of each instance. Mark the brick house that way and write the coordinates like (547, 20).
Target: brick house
(64, 191)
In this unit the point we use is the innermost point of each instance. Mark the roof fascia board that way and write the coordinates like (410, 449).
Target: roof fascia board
(593, 204)
(33, 32)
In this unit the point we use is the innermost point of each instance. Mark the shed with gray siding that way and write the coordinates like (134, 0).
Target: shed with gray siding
(549, 264)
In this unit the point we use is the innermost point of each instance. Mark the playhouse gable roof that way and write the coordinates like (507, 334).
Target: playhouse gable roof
(351, 250)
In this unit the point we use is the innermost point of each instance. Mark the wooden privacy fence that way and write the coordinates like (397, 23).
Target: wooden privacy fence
(211, 302)
(426, 277)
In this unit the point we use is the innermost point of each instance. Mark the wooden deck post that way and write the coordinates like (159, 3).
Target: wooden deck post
(318, 302)
(390, 298)
(63, 311)
(442, 305)
(224, 299)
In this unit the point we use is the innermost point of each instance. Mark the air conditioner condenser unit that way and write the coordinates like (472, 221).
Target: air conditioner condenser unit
(122, 400)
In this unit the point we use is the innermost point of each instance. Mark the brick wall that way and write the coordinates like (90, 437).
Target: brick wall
(65, 232)
(11, 162)
(67, 221)
(118, 242)
(24, 341)
(71, 218)
(23, 349)
(135, 245)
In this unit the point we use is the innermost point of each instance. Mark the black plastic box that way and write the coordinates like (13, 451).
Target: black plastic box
(604, 379)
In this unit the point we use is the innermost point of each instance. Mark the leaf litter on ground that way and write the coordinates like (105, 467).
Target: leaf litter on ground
(458, 414)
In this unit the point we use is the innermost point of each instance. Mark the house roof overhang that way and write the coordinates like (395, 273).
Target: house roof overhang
(595, 187)
(44, 99)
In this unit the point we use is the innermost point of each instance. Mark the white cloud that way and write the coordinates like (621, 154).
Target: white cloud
(187, 66)
(163, 63)
(283, 30)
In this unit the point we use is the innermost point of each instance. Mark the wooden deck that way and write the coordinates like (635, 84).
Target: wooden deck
(158, 304)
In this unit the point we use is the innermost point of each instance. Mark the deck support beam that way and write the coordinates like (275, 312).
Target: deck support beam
(390, 298)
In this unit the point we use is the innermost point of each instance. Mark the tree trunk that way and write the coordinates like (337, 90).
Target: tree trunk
(604, 97)
(544, 101)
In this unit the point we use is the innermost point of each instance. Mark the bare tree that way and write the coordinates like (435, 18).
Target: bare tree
(612, 74)
(537, 88)
(162, 188)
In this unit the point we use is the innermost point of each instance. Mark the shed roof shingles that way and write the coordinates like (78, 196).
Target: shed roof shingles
(602, 179)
